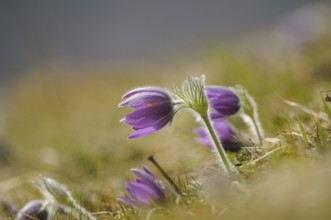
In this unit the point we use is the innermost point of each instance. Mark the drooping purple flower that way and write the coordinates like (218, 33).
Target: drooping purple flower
(146, 191)
(153, 110)
(33, 210)
(226, 134)
(223, 100)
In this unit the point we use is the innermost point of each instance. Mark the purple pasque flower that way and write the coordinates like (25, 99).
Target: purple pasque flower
(146, 191)
(225, 133)
(153, 110)
(223, 100)
(33, 210)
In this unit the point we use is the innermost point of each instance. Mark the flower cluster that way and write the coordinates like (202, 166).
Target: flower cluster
(146, 191)
(155, 107)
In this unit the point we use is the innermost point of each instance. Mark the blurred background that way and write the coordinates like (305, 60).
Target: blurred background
(108, 34)
(64, 66)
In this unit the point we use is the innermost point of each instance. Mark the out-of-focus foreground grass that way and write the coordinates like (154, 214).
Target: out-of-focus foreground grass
(66, 126)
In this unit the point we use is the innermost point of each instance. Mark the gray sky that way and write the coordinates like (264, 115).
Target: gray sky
(80, 32)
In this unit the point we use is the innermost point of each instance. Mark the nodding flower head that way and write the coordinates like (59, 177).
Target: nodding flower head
(146, 192)
(223, 100)
(153, 110)
(225, 133)
(33, 210)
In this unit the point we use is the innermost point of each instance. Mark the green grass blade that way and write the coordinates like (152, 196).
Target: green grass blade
(303, 132)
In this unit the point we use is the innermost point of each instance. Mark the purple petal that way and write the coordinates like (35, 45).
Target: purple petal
(143, 90)
(228, 100)
(160, 123)
(127, 200)
(213, 91)
(225, 134)
(147, 116)
(153, 185)
(148, 180)
(143, 100)
(142, 193)
(141, 174)
(157, 124)
(204, 138)
(223, 100)
(147, 112)
(142, 132)
(32, 210)
(227, 105)
(141, 126)
(148, 172)
(218, 115)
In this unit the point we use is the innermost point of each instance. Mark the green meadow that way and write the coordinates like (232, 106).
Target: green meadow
(65, 124)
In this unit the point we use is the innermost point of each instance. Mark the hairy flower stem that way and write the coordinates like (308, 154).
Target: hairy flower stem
(257, 128)
(251, 111)
(224, 159)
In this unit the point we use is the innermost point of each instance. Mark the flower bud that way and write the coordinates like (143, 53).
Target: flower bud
(193, 95)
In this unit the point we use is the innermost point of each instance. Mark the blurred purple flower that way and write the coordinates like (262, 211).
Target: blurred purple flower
(304, 25)
(225, 133)
(32, 210)
(153, 110)
(223, 100)
(146, 191)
